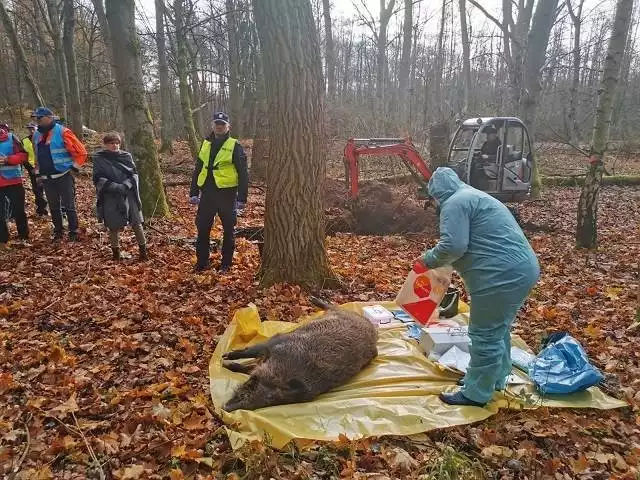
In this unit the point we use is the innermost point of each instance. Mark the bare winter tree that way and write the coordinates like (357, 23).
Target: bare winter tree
(166, 136)
(75, 110)
(294, 235)
(587, 231)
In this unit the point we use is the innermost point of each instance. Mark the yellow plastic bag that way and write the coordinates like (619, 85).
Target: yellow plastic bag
(396, 395)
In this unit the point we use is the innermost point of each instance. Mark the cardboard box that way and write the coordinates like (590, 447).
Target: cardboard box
(439, 339)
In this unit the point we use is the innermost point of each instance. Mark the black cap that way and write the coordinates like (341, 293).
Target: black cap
(220, 117)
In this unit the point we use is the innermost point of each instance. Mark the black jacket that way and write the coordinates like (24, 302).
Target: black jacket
(239, 161)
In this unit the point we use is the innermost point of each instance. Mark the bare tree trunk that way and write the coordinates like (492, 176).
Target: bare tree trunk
(439, 63)
(235, 98)
(538, 40)
(466, 56)
(294, 248)
(61, 64)
(98, 7)
(260, 150)
(330, 51)
(138, 132)
(576, 18)
(75, 112)
(181, 70)
(21, 56)
(166, 136)
(381, 49)
(587, 231)
(405, 65)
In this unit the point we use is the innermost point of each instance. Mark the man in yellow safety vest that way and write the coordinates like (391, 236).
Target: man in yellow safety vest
(219, 187)
(38, 191)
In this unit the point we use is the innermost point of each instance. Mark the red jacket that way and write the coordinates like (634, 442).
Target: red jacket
(18, 158)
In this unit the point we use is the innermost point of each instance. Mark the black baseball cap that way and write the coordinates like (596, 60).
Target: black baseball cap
(220, 117)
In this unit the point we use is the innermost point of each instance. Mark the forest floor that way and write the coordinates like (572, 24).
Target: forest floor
(104, 362)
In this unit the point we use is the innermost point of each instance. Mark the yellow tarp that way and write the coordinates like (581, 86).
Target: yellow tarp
(396, 395)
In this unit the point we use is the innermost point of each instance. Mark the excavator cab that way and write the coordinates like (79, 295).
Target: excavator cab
(493, 154)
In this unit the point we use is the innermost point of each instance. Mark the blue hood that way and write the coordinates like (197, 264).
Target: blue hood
(444, 183)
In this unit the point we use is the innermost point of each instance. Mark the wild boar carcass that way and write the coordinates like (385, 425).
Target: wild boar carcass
(298, 366)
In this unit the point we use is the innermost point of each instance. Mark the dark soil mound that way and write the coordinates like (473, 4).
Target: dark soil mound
(380, 210)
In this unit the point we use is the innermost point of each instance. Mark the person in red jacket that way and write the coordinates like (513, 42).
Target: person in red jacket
(12, 156)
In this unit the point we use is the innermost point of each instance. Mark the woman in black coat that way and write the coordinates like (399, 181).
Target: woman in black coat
(118, 199)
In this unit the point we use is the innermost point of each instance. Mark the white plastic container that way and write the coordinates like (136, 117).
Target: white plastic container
(439, 339)
(377, 314)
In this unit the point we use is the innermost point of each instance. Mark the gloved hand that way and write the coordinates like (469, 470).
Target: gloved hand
(195, 200)
(240, 208)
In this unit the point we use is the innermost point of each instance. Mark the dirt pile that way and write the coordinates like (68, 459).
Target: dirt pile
(381, 209)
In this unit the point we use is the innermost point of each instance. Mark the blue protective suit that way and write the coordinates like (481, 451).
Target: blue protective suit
(482, 241)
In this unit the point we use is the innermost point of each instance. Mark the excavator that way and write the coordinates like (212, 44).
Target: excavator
(492, 154)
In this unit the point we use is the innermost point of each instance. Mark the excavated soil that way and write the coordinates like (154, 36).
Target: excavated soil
(381, 209)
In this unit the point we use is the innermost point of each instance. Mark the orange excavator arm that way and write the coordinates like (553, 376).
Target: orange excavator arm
(382, 146)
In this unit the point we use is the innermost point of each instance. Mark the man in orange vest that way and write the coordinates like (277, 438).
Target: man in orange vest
(58, 152)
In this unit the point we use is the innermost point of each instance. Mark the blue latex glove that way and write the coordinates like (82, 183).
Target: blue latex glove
(195, 200)
(240, 207)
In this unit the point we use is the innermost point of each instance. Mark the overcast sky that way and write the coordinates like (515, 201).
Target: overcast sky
(349, 9)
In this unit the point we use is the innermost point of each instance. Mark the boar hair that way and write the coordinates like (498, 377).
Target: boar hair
(298, 366)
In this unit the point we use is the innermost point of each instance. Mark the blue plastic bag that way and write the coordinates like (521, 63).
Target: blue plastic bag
(563, 366)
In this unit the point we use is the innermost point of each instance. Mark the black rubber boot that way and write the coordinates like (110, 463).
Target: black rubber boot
(143, 253)
(116, 254)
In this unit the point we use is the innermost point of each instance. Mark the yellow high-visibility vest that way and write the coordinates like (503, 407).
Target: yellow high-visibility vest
(224, 171)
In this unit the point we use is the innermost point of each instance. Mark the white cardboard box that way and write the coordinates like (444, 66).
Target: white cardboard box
(439, 339)
(377, 314)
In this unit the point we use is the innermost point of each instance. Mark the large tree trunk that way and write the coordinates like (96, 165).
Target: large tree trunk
(466, 57)
(22, 57)
(166, 136)
(405, 66)
(538, 40)
(576, 18)
(138, 132)
(75, 111)
(235, 98)
(294, 225)
(181, 70)
(587, 231)
(330, 51)
(61, 64)
(98, 7)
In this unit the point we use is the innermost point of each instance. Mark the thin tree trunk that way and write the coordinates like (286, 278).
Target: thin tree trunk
(439, 64)
(381, 54)
(98, 7)
(576, 18)
(330, 51)
(138, 132)
(166, 136)
(235, 99)
(75, 112)
(181, 70)
(405, 65)
(61, 64)
(466, 57)
(22, 57)
(538, 40)
(587, 231)
(294, 235)
(260, 150)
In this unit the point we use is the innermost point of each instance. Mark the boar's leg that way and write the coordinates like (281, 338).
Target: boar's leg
(240, 367)
(259, 350)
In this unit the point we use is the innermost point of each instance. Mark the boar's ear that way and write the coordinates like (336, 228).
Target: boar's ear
(299, 388)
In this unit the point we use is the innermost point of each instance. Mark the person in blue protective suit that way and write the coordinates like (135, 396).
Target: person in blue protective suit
(482, 241)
